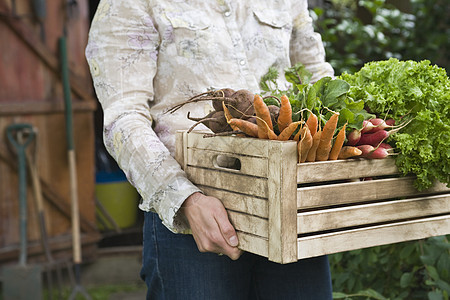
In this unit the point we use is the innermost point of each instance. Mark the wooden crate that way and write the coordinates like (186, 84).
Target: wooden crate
(287, 211)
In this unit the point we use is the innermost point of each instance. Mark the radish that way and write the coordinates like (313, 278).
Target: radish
(366, 150)
(370, 152)
(368, 126)
(353, 137)
(378, 153)
(377, 137)
(381, 124)
(374, 139)
(390, 122)
(385, 146)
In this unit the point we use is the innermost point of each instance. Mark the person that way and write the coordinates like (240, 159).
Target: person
(146, 56)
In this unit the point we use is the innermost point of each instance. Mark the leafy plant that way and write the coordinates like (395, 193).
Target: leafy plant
(321, 97)
(356, 32)
(410, 270)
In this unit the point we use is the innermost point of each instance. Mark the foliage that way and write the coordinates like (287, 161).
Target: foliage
(322, 97)
(356, 32)
(417, 91)
(410, 270)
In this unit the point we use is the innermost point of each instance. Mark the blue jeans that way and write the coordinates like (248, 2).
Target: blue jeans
(173, 269)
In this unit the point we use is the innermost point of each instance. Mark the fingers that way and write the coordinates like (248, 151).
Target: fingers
(227, 230)
(210, 226)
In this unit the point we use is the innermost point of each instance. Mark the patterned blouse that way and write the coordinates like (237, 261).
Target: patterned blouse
(145, 56)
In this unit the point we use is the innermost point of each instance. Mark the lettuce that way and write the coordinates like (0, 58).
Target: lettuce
(410, 90)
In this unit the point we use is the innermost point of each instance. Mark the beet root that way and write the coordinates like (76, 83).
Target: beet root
(243, 106)
(222, 93)
(215, 121)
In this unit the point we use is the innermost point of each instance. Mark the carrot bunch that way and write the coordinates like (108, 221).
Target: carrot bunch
(313, 142)
(321, 145)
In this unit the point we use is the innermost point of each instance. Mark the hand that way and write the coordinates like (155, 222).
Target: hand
(210, 225)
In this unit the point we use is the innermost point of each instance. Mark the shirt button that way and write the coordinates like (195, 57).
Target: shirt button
(242, 62)
(227, 13)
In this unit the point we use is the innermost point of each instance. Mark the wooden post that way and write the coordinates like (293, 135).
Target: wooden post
(282, 191)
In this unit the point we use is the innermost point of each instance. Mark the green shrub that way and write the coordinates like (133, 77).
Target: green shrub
(356, 32)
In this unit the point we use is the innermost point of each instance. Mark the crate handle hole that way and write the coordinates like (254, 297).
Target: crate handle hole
(227, 162)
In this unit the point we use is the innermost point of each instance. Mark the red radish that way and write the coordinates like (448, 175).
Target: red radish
(390, 122)
(353, 137)
(367, 126)
(366, 150)
(378, 137)
(374, 139)
(385, 146)
(378, 153)
(379, 124)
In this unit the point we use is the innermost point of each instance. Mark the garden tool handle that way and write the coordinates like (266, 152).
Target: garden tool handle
(20, 146)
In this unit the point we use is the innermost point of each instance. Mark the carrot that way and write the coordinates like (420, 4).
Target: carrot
(338, 143)
(349, 151)
(285, 114)
(288, 131)
(245, 126)
(305, 144)
(312, 123)
(263, 117)
(324, 148)
(228, 116)
(312, 152)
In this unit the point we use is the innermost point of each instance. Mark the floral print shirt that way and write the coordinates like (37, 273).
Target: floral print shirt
(145, 56)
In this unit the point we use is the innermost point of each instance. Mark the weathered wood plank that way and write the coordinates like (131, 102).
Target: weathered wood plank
(387, 211)
(253, 244)
(229, 144)
(249, 224)
(360, 191)
(344, 169)
(43, 107)
(78, 82)
(249, 185)
(253, 166)
(239, 202)
(372, 236)
(282, 203)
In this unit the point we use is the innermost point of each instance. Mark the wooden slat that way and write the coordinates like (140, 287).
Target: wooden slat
(388, 211)
(372, 236)
(344, 169)
(48, 107)
(282, 185)
(31, 39)
(249, 224)
(253, 244)
(249, 165)
(239, 202)
(361, 191)
(230, 144)
(249, 185)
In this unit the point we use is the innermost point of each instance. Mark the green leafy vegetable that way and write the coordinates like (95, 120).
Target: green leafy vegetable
(417, 91)
(321, 97)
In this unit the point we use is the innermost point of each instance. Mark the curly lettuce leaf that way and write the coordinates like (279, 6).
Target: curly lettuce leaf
(417, 91)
